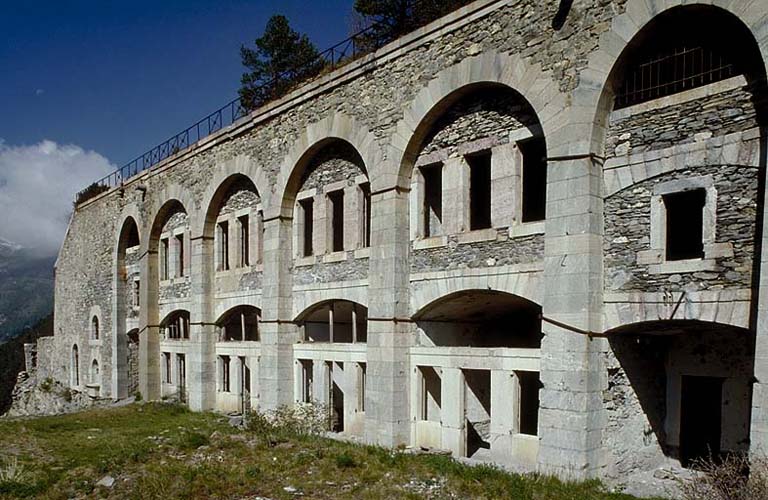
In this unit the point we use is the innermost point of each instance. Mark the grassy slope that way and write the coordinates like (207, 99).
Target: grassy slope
(165, 451)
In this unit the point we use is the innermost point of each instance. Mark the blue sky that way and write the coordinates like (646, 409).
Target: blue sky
(88, 85)
(118, 77)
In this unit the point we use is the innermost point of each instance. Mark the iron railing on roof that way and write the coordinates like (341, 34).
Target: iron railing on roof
(683, 69)
(343, 52)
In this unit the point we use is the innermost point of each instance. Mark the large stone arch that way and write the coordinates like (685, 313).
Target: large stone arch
(241, 165)
(592, 100)
(170, 194)
(131, 214)
(536, 86)
(308, 300)
(336, 126)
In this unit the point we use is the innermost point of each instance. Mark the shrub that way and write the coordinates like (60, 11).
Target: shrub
(735, 477)
(345, 460)
(194, 440)
(66, 395)
(137, 396)
(91, 191)
(46, 385)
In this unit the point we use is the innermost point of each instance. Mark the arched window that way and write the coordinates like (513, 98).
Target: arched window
(75, 367)
(176, 326)
(335, 321)
(240, 323)
(95, 328)
(95, 372)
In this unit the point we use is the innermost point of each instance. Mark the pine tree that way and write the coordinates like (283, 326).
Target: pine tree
(282, 59)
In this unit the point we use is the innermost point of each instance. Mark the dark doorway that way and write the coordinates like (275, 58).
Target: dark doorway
(700, 418)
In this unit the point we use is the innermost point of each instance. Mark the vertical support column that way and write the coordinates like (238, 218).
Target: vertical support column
(416, 201)
(454, 432)
(505, 418)
(119, 375)
(201, 372)
(354, 323)
(278, 333)
(759, 424)
(571, 416)
(330, 322)
(505, 185)
(386, 402)
(455, 195)
(149, 331)
(320, 377)
(321, 241)
(352, 217)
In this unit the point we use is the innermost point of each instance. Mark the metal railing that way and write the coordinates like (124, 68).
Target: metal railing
(343, 52)
(684, 69)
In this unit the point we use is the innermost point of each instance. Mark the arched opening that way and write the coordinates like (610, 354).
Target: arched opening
(170, 240)
(128, 303)
(480, 318)
(94, 376)
(479, 163)
(476, 375)
(334, 321)
(331, 198)
(240, 323)
(236, 221)
(74, 367)
(95, 328)
(685, 383)
(175, 326)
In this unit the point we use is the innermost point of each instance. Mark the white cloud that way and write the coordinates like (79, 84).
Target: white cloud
(37, 186)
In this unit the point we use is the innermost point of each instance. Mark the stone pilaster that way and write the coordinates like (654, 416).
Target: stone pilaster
(201, 367)
(149, 331)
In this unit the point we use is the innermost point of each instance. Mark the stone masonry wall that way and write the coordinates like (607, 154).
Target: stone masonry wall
(627, 231)
(503, 251)
(350, 269)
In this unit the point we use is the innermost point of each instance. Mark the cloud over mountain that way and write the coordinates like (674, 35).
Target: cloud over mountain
(37, 186)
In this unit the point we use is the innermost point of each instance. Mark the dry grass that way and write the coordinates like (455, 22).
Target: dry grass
(736, 477)
(164, 451)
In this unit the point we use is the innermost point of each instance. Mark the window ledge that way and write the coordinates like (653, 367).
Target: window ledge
(432, 242)
(363, 253)
(304, 261)
(683, 266)
(335, 257)
(527, 229)
(478, 235)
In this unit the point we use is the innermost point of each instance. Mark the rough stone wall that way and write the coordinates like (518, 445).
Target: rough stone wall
(335, 162)
(238, 198)
(133, 367)
(718, 114)
(627, 232)
(350, 269)
(501, 252)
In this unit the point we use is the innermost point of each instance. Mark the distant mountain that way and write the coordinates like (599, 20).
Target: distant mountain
(26, 288)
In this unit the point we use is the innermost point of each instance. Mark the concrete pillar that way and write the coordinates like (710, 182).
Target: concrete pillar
(201, 360)
(320, 381)
(455, 195)
(571, 415)
(278, 333)
(119, 375)
(505, 419)
(454, 432)
(149, 331)
(388, 339)
(505, 185)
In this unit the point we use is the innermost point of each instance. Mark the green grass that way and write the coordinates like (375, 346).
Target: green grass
(165, 451)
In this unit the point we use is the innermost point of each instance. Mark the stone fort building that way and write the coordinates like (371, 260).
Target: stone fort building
(529, 232)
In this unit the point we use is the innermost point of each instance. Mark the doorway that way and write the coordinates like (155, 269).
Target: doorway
(700, 418)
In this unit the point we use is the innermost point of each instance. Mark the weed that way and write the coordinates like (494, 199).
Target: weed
(735, 477)
(345, 461)
(46, 385)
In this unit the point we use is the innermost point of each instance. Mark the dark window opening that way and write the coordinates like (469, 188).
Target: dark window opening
(336, 396)
(685, 212)
(176, 326)
(223, 246)
(365, 189)
(336, 202)
(224, 363)
(245, 375)
(180, 255)
(260, 232)
(431, 394)
(479, 190)
(245, 241)
(477, 410)
(167, 370)
(164, 258)
(529, 402)
(534, 154)
(240, 324)
(307, 380)
(433, 199)
(361, 387)
(307, 217)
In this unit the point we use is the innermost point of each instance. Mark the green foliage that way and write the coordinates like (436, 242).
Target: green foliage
(46, 385)
(281, 60)
(390, 19)
(345, 460)
(193, 440)
(66, 395)
(137, 396)
(91, 191)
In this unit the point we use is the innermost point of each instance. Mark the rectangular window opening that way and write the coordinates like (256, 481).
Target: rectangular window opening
(529, 402)
(224, 363)
(307, 379)
(180, 255)
(223, 246)
(433, 199)
(534, 154)
(245, 241)
(361, 387)
(479, 190)
(167, 367)
(431, 394)
(164, 259)
(307, 211)
(136, 295)
(260, 232)
(365, 233)
(685, 224)
(336, 203)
